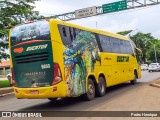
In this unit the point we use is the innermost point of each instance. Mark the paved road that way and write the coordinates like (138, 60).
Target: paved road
(124, 97)
(11, 103)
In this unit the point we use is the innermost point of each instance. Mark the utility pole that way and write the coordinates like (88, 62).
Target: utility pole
(155, 52)
(96, 25)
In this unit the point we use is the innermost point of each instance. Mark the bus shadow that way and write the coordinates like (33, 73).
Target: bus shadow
(79, 103)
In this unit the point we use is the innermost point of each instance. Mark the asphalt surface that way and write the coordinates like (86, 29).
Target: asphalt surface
(123, 97)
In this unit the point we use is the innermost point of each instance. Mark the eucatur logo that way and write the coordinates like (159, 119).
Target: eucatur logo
(37, 47)
(18, 50)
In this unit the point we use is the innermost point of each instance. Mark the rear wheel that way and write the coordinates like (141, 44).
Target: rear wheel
(91, 90)
(101, 87)
(135, 79)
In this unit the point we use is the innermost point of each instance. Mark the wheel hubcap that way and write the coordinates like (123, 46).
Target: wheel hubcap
(90, 89)
(102, 88)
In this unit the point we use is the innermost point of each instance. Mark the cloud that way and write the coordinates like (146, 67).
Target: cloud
(117, 26)
(156, 34)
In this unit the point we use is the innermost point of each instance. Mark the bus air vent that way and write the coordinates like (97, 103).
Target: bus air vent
(29, 58)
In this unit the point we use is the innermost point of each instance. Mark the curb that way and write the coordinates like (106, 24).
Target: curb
(155, 85)
(6, 94)
(6, 91)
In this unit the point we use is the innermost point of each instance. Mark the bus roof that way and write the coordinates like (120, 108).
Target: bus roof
(81, 27)
(89, 29)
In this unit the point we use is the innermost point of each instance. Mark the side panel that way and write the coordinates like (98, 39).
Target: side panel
(80, 54)
(79, 59)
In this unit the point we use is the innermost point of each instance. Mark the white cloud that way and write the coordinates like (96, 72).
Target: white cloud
(116, 26)
(156, 34)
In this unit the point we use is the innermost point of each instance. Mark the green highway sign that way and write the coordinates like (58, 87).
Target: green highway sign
(114, 7)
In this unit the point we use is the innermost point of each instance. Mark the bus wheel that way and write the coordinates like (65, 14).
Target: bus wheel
(101, 87)
(91, 91)
(135, 79)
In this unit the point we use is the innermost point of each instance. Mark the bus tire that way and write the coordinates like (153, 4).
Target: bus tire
(134, 80)
(90, 95)
(101, 87)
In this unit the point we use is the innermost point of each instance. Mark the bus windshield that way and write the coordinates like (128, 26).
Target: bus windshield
(33, 31)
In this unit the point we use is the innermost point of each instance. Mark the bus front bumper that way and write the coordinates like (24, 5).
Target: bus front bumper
(55, 91)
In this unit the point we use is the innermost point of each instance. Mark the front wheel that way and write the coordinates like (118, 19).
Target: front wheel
(101, 87)
(91, 90)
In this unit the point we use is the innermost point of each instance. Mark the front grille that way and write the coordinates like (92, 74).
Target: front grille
(29, 58)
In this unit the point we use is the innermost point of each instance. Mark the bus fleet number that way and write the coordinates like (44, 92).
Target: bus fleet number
(45, 66)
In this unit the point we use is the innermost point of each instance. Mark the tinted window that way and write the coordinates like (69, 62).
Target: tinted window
(128, 48)
(64, 32)
(122, 46)
(33, 31)
(105, 43)
(115, 45)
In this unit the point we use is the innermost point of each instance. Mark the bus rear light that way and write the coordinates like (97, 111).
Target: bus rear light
(13, 78)
(57, 74)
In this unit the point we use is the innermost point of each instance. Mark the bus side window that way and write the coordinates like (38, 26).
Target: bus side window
(129, 49)
(64, 32)
(72, 33)
(115, 45)
(122, 46)
(65, 35)
(105, 43)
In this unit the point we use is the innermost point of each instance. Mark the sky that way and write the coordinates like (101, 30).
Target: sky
(144, 19)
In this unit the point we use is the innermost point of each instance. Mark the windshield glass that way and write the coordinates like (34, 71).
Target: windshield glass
(32, 31)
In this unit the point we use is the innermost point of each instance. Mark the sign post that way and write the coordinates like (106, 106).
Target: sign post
(86, 12)
(115, 6)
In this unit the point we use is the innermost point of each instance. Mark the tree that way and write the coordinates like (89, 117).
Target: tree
(143, 41)
(124, 32)
(13, 12)
(153, 53)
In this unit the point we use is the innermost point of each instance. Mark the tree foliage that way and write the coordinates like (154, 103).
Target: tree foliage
(13, 12)
(145, 42)
(153, 52)
(124, 32)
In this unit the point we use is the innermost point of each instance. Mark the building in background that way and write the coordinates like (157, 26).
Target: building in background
(4, 68)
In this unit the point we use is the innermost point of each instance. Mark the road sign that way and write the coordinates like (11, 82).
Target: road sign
(114, 7)
(86, 12)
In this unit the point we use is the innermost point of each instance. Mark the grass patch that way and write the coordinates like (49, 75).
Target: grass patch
(4, 83)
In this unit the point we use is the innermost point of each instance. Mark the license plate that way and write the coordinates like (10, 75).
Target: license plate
(34, 92)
